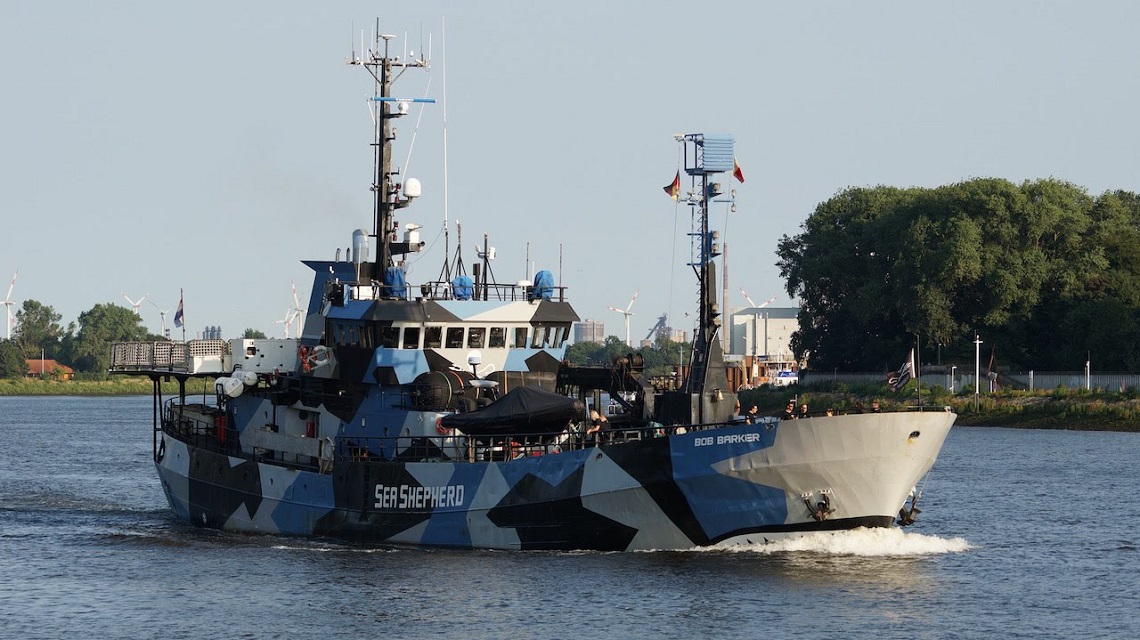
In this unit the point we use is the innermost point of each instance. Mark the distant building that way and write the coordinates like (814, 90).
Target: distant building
(763, 332)
(38, 368)
(760, 342)
(589, 331)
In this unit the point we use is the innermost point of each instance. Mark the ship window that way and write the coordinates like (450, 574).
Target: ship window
(433, 337)
(498, 338)
(349, 335)
(411, 337)
(560, 335)
(367, 338)
(475, 336)
(455, 337)
(390, 337)
(541, 337)
(520, 337)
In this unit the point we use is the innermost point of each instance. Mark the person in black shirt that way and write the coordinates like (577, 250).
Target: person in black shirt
(789, 411)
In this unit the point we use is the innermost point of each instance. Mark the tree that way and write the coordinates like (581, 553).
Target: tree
(254, 334)
(12, 362)
(657, 360)
(595, 354)
(99, 327)
(38, 330)
(877, 267)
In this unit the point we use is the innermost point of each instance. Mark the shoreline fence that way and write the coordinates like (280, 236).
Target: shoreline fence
(1022, 380)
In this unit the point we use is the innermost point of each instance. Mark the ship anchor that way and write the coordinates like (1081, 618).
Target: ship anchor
(908, 515)
(821, 509)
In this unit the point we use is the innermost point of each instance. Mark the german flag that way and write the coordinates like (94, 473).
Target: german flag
(674, 188)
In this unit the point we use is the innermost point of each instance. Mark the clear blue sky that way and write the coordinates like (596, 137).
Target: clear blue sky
(210, 146)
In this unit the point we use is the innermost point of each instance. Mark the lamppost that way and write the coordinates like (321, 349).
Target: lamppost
(977, 369)
(1088, 364)
(953, 368)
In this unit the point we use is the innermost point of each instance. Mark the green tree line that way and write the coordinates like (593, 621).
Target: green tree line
(658, 360)
(1045, 274)
(84, 345)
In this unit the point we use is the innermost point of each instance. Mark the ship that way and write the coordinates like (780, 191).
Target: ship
(446, 415)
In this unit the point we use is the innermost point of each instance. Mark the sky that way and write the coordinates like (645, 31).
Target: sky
(208, 147)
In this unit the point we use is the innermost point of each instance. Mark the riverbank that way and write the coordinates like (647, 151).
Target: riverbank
(1074, 409)
(116, 386)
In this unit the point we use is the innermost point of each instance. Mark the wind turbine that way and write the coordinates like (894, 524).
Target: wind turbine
(162, 313)
(287, 320)
(7, 302)
(627, 313)
(758, 306)
(298, 311)
(136, 304)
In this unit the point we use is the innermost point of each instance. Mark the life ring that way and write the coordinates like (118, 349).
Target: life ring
(303, 354)
(319, 356)
(439, 428)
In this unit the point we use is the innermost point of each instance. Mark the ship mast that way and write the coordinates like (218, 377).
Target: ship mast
(705, 156)
(385, 69)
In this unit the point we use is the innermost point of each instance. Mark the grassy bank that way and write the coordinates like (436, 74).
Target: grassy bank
(116, 386)
(1056, 409)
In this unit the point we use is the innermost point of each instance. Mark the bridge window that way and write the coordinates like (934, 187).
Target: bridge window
(411, 337)
(390, 337)
(455, 338)
(433, 337)
(561, 334)
(347, 334)
(475, 337)
(520, 337)
(543, 337)
(498, 338)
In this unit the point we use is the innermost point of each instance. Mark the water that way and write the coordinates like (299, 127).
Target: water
(1024, 534)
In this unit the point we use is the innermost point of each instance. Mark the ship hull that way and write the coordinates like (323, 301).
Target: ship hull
(737, 483)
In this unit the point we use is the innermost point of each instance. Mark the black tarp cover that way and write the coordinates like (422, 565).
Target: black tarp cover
(522, 410)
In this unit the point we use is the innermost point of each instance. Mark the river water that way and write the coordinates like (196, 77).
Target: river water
(1024, 534)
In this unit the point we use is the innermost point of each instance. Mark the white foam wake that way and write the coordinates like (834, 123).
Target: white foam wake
(857, 542)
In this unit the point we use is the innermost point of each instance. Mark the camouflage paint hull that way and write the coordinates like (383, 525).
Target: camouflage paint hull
(735, 483)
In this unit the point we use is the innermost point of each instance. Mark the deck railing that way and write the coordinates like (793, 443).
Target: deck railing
(205, 427)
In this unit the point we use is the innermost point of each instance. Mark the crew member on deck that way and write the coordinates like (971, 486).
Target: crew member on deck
(598, 423)
(789, 411)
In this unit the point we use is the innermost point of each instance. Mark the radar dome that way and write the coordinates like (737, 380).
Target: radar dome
(412, 188)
